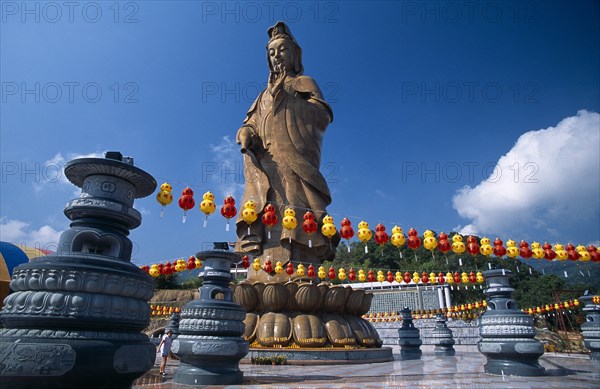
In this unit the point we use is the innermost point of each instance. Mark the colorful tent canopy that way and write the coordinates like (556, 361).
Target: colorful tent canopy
(11, 256)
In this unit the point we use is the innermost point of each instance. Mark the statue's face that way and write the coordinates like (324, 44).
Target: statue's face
(281, 55)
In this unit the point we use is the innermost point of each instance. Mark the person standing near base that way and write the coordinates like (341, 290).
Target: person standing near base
(165, 348)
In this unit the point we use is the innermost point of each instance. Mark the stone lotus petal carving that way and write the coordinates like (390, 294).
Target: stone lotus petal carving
(335, 299)
(275, 297)
(364, 333)
(338, 330)
(251, 324)
(246, 296)
(292, 288)
(274, 329)
(365, 304)
(354, 301)
(309, 331)
(308, 297)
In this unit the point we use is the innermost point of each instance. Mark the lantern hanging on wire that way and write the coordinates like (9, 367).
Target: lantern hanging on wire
(164, 197)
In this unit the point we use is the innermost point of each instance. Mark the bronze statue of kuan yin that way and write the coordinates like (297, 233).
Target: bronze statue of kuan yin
(281, 141)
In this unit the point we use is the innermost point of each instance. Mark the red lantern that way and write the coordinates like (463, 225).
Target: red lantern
(525, 251)
(191, 263)
(331, 273)
(472, 246)
(352, 274)
(425, 278)
(443, 244)
(472, 278)
(381, 237)
(309, 225)
(166, 270)
(186, 201)
(456, 278)
(573, 254)
(346, 232)
(594, 255)
(289, 269)
(268, 267)
(311, 271)
(269, 218)
(440, 278)
(413, 239)
(406, 277)
(228, 210)
(371, 276)
(499, 250)
(390, 276)
(245, 262)
(549, 254)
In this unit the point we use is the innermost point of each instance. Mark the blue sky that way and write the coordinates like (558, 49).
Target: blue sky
(480, 117)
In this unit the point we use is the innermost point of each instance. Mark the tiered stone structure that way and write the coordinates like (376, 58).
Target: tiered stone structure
(210, 344)
(444, 342)
(409, 340)
(76, 316)
(507, 333)
(591, 328)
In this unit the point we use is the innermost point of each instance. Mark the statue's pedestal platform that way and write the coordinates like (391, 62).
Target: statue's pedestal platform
(332, 356)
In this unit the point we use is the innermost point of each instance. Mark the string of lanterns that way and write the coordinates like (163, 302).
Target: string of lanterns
(442, 243)
(467, 311)
(560, 307)
(163, 310)
(360, 275)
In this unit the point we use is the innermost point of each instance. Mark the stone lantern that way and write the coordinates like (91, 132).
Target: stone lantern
(76, 317)
(591, 328)
(409, 337)
(507, 334)
(210, 343)
(443, 339)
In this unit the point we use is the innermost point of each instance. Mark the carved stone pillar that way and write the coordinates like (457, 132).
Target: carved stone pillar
(210, 343)
(443, 340)
(591, 328)
(409, 337)
(76, 316)
(507, 334)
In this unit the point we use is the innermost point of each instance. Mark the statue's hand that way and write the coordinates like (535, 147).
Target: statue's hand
(245, 139)
(276, 82)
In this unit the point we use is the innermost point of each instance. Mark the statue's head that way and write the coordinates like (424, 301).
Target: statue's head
(283, 50)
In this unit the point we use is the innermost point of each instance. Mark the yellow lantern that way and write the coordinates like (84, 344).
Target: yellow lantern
(164, 196)
(249, 213)
(449, 276)
(342, 274)
(364, 233)
(321, 273)
(416, 278)
(154, 271)
(537, 250)
(576, 302)
(464, 278)
(256, 264)
(198, 263)
(429, 240)
(458, 246)
(584, 255)
(511, 249)
(278, 267)
(300, 270)
(207, 206)
(484, 303)
(479, 277)
(362, 277)
(566, 304)
(289, 221)
(561, 253)
(398, 239)
(399, 277)
(328, 228)
(485, 248)
(380, 276)
(432, 278)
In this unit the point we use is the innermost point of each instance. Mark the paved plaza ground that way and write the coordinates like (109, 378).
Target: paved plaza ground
(464, 370)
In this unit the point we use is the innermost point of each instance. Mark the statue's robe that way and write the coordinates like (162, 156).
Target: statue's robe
(282, 168)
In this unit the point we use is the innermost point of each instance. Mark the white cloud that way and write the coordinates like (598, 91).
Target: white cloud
(52, 171)
(547, 184)
(224, 174)
(20, 232)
